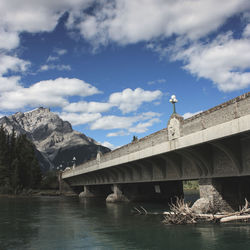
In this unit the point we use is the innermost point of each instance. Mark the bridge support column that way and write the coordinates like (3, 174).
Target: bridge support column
(222, 194)
(117, 195)
(87, 193)
(95, 191)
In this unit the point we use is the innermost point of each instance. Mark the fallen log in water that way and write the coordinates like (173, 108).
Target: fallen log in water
(235, 218)
(181, 213)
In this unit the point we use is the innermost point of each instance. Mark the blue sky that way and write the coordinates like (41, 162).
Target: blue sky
(110, 67)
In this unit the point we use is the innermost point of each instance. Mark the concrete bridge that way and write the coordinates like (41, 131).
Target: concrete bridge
(212, 146)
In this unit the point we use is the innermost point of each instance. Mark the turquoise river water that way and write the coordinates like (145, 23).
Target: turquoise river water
(69, 223)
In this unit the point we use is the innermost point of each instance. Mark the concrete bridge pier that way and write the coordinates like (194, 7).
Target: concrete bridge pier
(95, 191)
(87, 193)
(117, 195)
(224, 194)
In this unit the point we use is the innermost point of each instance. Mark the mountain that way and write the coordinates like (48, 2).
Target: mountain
(55, 140)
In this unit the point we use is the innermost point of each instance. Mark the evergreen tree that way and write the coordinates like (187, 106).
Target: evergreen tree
(4, 174)
(19, 167)
(15, 180)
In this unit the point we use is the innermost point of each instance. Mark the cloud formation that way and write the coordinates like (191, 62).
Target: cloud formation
(127, 101)
(12, 64)
(126, 124)
(113, 122)
(156, 81)
(129, 22)
(225, 61)
(130, 100)
(189, 114)
(88, 107)
(126, 22)
(51, 93)
(79, 119)
(109, 145)
(32, 16)
(60, 67)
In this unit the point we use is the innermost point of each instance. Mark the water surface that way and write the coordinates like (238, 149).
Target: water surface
(69, 223)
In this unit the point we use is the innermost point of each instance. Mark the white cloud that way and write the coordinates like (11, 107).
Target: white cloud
(12, 63)
(46, 93)
(130, 100)
(120, 21)
(109, 145)
(156, 81)
(134, 21)
(126, 124)
(149, 115)
(9, 84)
(82, 118)
(8, 39)
(118, 133)
(52, 58)
(113, 122)
(188, 114)
(225, 61)
(142, 127)
(246, 32)
(44, 67)
(60, 52)
(88, 107)
(60, 67)
(32, 16)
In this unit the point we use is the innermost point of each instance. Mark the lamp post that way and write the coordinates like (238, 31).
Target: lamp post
(173, 100)
(74, 162)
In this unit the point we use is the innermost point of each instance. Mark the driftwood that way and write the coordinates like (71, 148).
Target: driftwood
(235, 218)
(181, 213)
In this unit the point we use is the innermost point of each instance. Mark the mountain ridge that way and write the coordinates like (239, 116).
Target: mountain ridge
(55, 140)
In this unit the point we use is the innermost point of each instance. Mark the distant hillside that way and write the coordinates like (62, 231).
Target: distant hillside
(55, 140)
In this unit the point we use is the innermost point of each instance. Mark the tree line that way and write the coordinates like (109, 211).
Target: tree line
(19, 168)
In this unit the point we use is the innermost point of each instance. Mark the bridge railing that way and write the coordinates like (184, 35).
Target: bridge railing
(148, 141)
(227, 111)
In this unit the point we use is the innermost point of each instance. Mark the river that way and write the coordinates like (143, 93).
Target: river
(69, 223)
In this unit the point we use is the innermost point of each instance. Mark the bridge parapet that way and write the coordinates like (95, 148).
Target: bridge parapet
(224, 112)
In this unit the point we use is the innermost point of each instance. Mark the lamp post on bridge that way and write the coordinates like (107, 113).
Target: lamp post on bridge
(74, 162)
(173, 100)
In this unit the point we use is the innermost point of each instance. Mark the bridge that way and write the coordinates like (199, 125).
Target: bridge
(212, 147)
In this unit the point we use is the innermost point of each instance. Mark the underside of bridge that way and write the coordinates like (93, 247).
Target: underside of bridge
(227, 157)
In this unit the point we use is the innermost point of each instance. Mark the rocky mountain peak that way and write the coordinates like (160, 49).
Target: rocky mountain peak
(39, 118)
(52, 136)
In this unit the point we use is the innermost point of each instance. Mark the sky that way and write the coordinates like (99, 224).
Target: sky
(110, 66)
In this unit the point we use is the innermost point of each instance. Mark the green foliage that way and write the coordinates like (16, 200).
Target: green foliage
(19, 168)
(49, 180)
(191, 185)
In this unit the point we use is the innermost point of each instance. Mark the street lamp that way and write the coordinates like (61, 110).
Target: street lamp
(74, 162)
(173, 100)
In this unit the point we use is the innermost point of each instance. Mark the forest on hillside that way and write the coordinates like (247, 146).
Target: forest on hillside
(19, 168)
